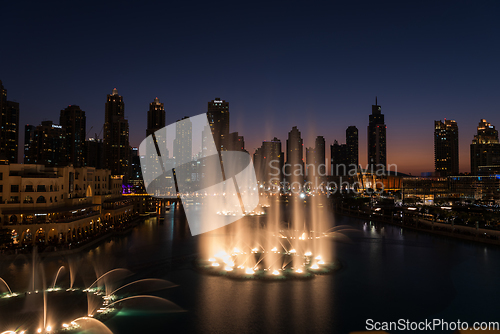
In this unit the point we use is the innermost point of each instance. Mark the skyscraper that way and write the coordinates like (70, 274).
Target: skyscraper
(29, 136)
(73, 120)
(319, 155)
(344, 157)
(218, 118)
(295, 156)
(258, 164)
(9, 127)
(156, 117)
(315, 159)
(446, 147)
(94, 153)
(352, 146)
(377, 157)
(235, 142)
(339, 159)
(116, 135)
(183, 148)
(48, 146)
(485, 147)
(267, 158)
(135, 166)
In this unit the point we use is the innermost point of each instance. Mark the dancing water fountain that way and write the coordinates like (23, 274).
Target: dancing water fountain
(265, 247)
(53, 309)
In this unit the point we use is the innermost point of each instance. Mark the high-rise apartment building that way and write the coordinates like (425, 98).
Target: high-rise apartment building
(344, 157)
(485, 148)
(446, 147)
(218, 118)
(235, 142)
(339, 159)
(294, 169)
(315, 159)
(183, 150)
(29, 136)
(377, 156)
(116, 135)
(156, 117)
(352, 143)
(73, 120)
(267, 159)
(9, 127)
(94, 148)
(183, 142)
(48, 146)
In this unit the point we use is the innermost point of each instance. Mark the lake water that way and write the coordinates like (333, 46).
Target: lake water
(388, 274)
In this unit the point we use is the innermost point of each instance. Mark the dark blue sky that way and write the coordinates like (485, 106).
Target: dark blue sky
(315, 65)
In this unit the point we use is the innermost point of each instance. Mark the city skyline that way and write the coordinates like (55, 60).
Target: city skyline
(465, 162)
(316, 66)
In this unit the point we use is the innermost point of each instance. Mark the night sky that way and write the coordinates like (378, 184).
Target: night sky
(315, 65)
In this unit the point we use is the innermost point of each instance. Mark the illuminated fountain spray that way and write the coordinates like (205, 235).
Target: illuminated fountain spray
(268, 245)
(50, 310)
(57, 276)
(6, 285)
(286, 236)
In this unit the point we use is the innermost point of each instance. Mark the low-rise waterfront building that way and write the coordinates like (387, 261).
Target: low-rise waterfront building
(58, 205)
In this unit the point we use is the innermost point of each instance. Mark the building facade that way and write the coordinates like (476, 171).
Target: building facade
(439, 190)
(377, 150)
(9, 127)
(339, 159)
(59, 205)
(116, 135)
(315, 159)
(73, 120)
(218, 118)
(446, 147)
(267, 160)
(29, 136)
(156, 117)
(352, 146)
(94, 148)
(48, 146)
(235, 142)
(345, 157)
(485, 148)
(294, 169)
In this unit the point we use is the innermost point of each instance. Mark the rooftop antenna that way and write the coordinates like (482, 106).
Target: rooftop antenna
(376, 101)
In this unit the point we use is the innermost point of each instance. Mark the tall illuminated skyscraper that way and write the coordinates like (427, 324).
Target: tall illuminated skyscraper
(485, 147)
(234, 142)
(267, 158)
(29, 136)
(344, 157)
(116, 135)
(377, 156)
(339, 160)
(218, 118)
(9, 127)
(352, 146)
(183, 150)
(446, 147)
(315, 159)
(183, 142)
(294, 169)
(156, 117)
(48, 146)
(73, 120)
